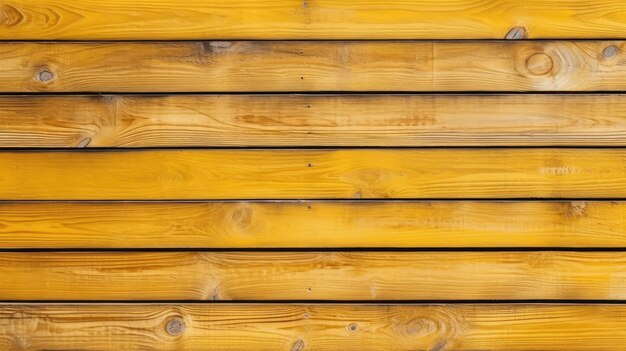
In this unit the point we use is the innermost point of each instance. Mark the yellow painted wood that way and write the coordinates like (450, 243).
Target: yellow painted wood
(312, 120)
(242, 276)
(299, 327)
(310, 19)
(280, 66)
(313, 174)
(312, 224)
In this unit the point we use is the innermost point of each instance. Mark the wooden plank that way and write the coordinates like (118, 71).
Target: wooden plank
(311, 19)
(313, 174)
(297, 327)
(312, 224)
(245, 276)
(282, 66)
(312, 120)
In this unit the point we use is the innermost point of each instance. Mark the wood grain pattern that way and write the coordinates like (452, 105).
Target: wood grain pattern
(194, 251)
(312, 120)
(296, 327)
(310, 19)
(313, 174)
(312, 224)
(245, 276)
(282, 66)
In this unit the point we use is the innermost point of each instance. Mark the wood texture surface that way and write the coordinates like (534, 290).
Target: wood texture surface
(245, 276)
(310, 19)
(313, 174)
(312, 224)
(282, 66)
(375, 143)
(312, 120)
(298, 327)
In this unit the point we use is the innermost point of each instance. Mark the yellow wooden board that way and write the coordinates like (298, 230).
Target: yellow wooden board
(299, 327)
(312, 224)
(245, 276)
(312, 120)
(246, 214)
(310, 19)
(280, 66)
(313, 174)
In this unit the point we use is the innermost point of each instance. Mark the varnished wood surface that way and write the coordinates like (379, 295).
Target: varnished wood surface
(322, 200)
(405, 224)
(312, 120)
(313, 174)
(310, 19)
(245, 276)
(288, 66)
(299, 327)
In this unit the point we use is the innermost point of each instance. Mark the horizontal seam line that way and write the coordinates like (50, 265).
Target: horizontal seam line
(347, 302)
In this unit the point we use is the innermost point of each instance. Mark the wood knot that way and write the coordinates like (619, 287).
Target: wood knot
(419, 327)
(353, 327)
(298, 345)
(175, 326)
(439, 346)
(216, 47)
(84, 142)
(516, 33)
(610, 52)
(242, 216)
(220, 44)
(215, 296)
(10, 16)
(539, 64)
(577, 208)
(45, 75)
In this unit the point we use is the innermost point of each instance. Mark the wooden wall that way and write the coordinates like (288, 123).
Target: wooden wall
(312, 175)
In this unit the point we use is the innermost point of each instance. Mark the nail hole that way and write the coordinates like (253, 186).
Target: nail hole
(353, 327)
